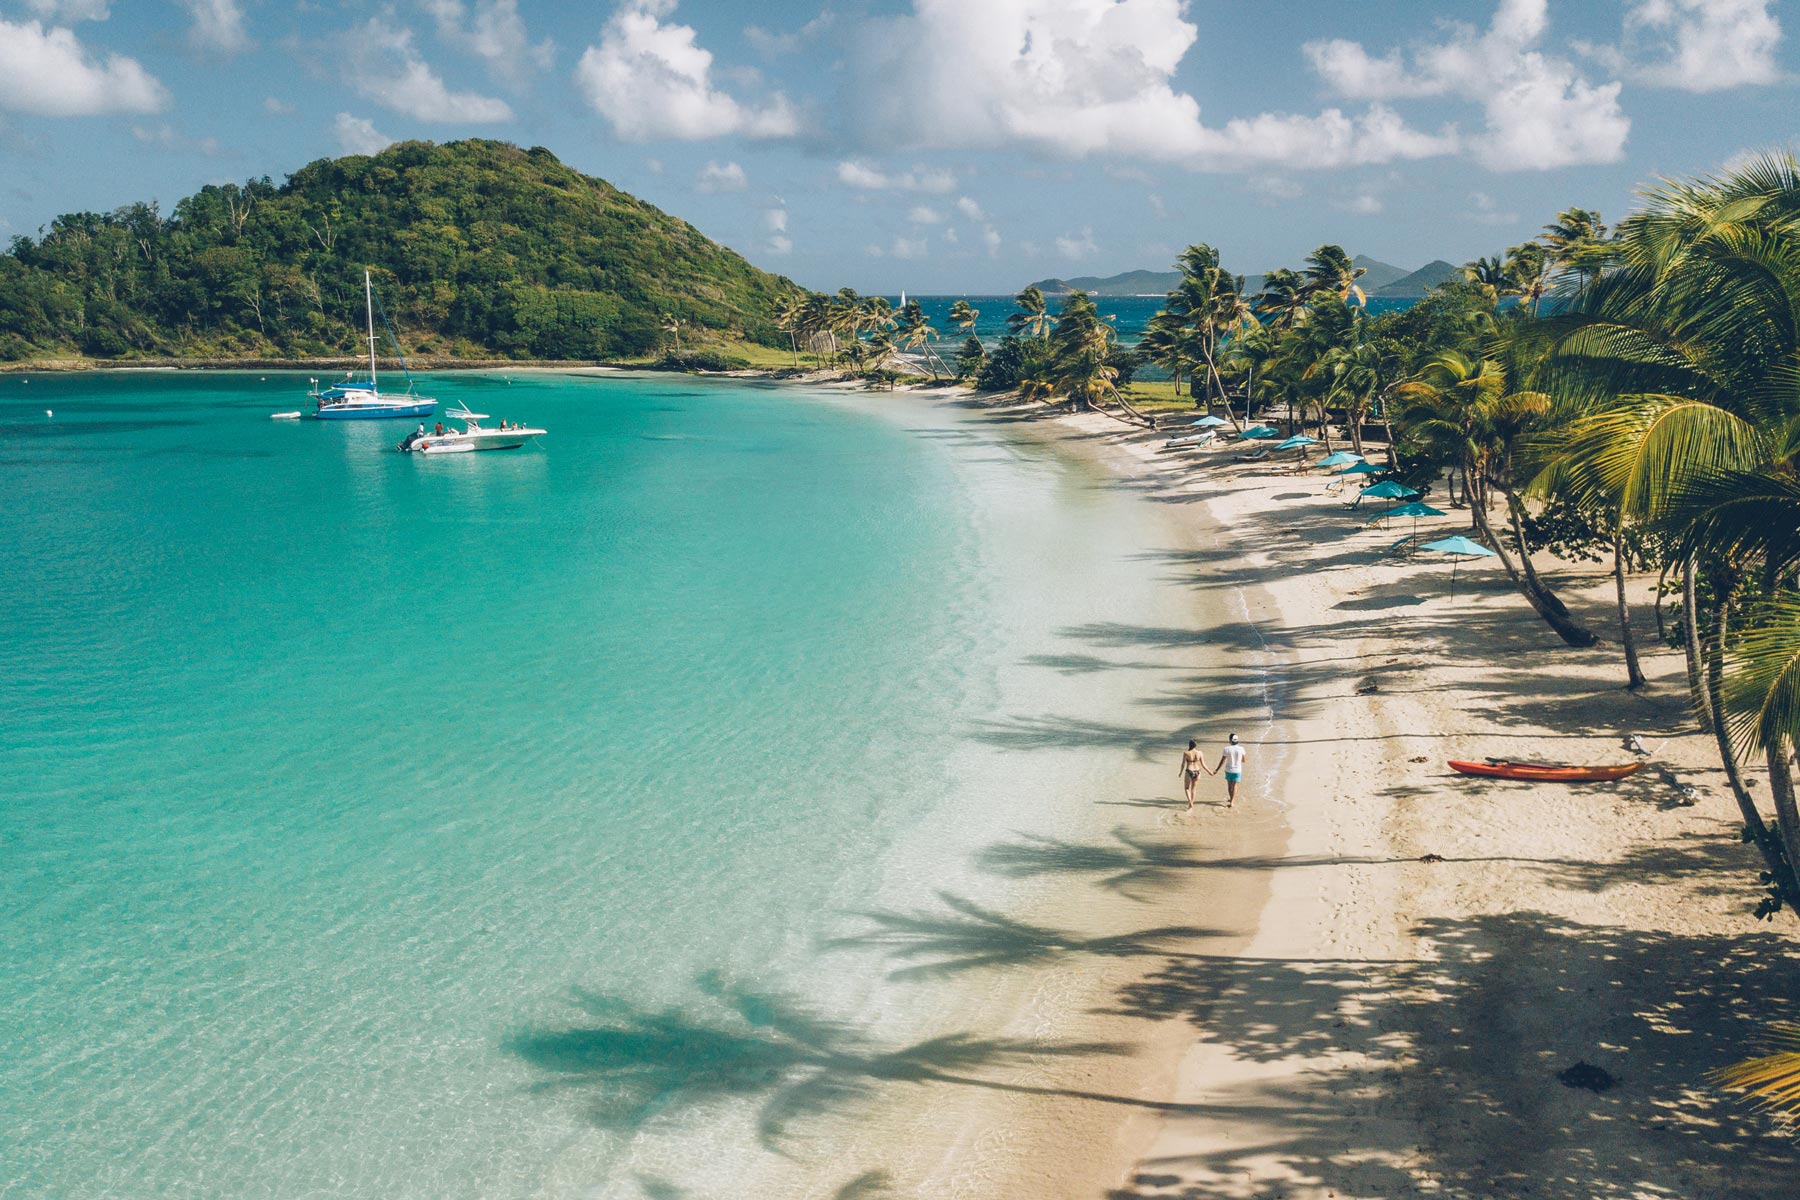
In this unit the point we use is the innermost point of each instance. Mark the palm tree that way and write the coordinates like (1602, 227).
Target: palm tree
(1329, 269)
(1474, 412)
(1681, 347)
(1490, 275)
(1032, 318)
(917, 334)
(1527, 270)
(1079, 348)
(1283, 297)
(964, 317)
(1166, 341)
(790, 314)
(1574, 243)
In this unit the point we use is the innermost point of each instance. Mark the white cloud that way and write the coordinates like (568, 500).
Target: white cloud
(50, 73)
(776, 219)
(167, 137)
(358, 135)
(717, 177)
(1364, 203)
(275, 106)
(780, 244)
(1083, 77)
(492, 31)
(968, 208)
(1487, 212)
(909, 248)
(1074, 246)
(70, 10)
(651, 80)
(858, 173)
(990, 237)
(653, 165)
(923, 214)
(218, 25)
(952, 237)
(385, 67)
(1703, 45)
(771, 44)
(1539, 111)
(1157, 206)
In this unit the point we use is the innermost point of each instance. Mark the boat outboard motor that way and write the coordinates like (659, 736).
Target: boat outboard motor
(412, 437)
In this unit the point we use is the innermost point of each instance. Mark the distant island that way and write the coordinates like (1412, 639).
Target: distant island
(480, 250)
(1379, 280)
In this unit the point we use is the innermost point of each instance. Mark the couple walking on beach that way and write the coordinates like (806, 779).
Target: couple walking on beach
(1232, 761)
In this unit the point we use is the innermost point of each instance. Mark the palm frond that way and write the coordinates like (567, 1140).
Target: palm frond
(1774, 1078)
(1762, 691)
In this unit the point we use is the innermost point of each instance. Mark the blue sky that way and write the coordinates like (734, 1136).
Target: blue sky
(931, 145)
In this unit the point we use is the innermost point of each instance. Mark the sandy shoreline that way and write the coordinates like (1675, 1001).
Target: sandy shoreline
(1396, 1027)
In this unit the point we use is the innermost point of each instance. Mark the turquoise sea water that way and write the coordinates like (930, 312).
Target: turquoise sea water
(331, 778)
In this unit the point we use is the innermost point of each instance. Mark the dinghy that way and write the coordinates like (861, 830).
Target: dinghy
(1500, 768)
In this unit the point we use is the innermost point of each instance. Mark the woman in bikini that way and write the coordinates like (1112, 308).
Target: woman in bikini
(1192, 763)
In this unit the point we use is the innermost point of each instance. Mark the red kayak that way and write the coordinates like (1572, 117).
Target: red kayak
(1499, 768)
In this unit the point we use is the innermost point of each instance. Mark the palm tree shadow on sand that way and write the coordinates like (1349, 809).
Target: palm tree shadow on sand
(634, 1064)
(968, 937)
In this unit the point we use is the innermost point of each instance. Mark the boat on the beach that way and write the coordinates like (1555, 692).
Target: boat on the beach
(1534, 772)
(472, 436)
(1191, 439)
(361, 399)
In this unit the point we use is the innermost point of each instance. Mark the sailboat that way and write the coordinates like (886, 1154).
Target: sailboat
(361, 400)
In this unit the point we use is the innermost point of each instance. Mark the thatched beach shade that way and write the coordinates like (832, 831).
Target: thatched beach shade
(1210, 422)
(1411, 508)
(1459, 548)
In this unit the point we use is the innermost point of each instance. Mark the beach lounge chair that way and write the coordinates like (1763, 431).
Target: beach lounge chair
(1253, 456)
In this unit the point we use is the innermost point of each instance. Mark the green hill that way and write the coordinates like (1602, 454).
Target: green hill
(479, 249)
(1415, 285)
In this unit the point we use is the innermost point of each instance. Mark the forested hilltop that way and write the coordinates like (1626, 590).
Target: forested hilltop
(479, 249)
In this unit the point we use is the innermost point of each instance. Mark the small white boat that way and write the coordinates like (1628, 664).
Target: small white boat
(1192, 439)
(472, 436)
(286, 416)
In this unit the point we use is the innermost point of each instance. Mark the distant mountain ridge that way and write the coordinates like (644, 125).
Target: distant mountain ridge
(1415, 285)
(1377, 276)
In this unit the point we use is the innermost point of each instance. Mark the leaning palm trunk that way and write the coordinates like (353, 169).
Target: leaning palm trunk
(1634, 674)
(1566, 628)
(1550, 598)
(1787, 810)
(1767, 842)
(1690, 644)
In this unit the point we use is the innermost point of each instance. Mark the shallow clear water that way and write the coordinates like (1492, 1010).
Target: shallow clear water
(328, 775)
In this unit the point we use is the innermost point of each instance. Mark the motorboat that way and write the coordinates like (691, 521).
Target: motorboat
(361, 399)
(286, 416)
(472, 436)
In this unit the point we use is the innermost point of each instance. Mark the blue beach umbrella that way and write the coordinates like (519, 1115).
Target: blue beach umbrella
(1340, 459)
(1261, 431)
(1458, 548)
(1209, 422)
(1387, 489)
(1413, 509)
(1361, 468)
(1298, 441)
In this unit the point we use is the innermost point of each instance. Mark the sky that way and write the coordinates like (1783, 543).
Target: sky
(937, 146)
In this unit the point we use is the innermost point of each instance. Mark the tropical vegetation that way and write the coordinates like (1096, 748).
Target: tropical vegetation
(478, 249)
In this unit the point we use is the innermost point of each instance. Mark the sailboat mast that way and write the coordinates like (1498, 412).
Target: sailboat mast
(369, 304)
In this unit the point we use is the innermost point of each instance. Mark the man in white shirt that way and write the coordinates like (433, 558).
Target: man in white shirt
(1233, 763)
